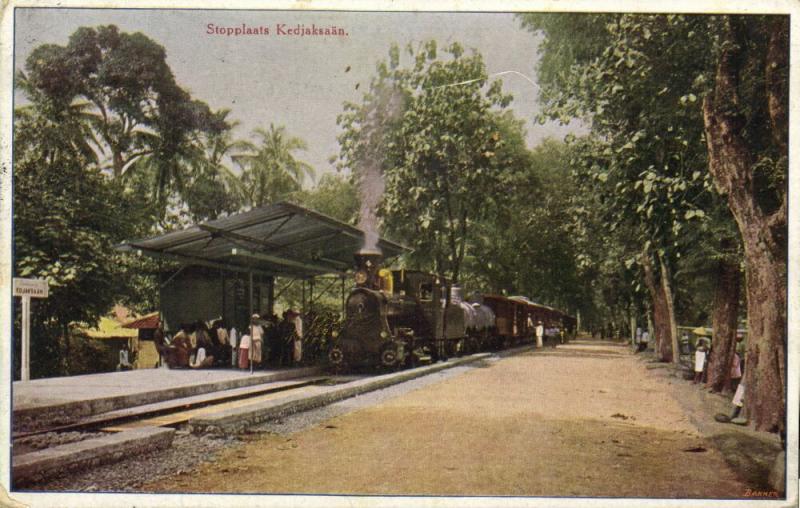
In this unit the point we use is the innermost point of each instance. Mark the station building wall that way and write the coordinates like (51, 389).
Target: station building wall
(198, 293)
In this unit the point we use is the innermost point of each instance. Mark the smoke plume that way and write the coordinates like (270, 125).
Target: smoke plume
(382, 112)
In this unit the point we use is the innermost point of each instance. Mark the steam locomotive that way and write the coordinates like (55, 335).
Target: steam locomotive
(395, 319)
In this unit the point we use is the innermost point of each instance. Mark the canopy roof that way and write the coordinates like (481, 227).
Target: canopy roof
(148, 321)
(280, 239)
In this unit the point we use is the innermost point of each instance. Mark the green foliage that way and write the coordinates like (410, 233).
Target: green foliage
(137, 117)
(212, 189)
(434, 132)
(88, 356)
(270, 171)
(527, 246)
(334, 196)
(67, 218)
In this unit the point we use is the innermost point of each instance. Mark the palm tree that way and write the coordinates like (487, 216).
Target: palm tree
(54, 127)
(212, 188)
(270, 170)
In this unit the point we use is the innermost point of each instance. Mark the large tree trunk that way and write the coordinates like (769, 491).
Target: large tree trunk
(765, 373)
(723, 322)
(661, 324)
(730, 162)
(669, 301)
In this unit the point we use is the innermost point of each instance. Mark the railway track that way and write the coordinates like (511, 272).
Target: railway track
(176, 411)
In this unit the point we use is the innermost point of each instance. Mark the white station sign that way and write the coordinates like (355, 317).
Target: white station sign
(34, 288)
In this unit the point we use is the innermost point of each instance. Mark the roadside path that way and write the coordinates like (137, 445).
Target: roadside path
(585, 419)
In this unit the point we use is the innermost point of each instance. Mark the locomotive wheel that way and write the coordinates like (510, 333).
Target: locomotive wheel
(389, 356)
(336, 356)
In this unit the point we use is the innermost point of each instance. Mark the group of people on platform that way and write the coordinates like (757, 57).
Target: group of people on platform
(264, 342)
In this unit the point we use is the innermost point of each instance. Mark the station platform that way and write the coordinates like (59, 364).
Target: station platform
(51, 402)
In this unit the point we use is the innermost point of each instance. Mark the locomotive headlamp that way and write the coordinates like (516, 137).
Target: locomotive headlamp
(361, 277)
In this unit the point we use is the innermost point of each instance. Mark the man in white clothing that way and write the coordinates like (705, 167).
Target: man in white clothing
(539, 334)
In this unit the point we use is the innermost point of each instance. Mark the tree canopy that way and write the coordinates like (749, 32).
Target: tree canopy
(137, 116)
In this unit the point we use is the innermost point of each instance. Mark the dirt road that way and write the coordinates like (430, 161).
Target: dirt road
(585, 419)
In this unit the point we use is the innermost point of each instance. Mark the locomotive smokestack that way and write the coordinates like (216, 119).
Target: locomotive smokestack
(368, 262)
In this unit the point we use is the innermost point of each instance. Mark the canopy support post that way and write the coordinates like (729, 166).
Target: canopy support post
(311, 294)
(271, 295)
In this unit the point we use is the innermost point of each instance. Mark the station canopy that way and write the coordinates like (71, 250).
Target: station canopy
(282, 239)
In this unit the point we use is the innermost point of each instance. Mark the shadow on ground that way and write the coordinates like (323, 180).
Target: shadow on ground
(750, 457)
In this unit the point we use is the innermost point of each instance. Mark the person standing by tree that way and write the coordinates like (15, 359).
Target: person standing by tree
(700, 354)
(736, 371)
(643, 341)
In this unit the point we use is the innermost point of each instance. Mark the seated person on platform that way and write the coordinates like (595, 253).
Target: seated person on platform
(202, 361)
(183, 347)
(202, 338)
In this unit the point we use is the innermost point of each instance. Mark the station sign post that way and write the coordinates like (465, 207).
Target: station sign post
(27, 289)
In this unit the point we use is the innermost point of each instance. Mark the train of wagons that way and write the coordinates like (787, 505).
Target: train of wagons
(399, 318)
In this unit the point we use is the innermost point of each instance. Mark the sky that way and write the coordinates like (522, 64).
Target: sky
(299, 82)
